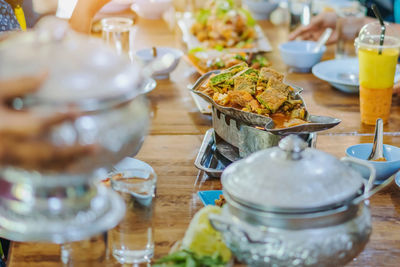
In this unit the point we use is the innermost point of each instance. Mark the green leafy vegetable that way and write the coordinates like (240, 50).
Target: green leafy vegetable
(263, 61)
(250, 20)
(239, 57)
(244, 43)
(219, 64)
(219, 47)
(196, 50)
(223, 7)
(189, 259)
(202, 16)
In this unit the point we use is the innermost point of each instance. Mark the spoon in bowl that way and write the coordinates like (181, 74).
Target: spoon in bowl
(322, 40)
(377, 148)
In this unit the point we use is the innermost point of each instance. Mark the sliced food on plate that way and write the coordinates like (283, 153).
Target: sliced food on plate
(205, 61)
(257, 91)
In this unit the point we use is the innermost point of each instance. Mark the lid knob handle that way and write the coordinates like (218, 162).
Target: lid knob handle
(293, 145)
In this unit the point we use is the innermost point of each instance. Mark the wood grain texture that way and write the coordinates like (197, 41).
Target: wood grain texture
(177, 132)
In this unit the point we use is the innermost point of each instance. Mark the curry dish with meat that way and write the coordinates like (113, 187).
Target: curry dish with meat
(258, 91)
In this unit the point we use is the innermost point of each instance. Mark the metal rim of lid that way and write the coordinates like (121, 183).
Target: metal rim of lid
(239, 188)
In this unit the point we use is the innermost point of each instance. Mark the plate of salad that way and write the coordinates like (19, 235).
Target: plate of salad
(223, 26)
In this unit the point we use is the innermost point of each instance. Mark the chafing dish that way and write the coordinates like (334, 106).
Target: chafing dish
(249, 132)
(295, 206)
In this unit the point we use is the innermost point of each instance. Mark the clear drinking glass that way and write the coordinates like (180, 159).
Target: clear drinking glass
(350, 21)
(300, 12)
(86, 253)
(118, 33)
(132, 241)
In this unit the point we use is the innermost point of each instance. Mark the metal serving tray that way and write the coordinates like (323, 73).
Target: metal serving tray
(208, 159)
(215, 154)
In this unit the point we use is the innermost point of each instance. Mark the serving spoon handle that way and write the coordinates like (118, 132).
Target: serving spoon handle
(377, 148)
(322, 40)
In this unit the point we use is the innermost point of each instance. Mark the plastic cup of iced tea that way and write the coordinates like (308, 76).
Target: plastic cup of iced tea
(377, 68)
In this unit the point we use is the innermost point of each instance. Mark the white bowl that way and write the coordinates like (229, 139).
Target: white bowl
(146, 56)
(299, 55)
(261, 9)
(151, 9)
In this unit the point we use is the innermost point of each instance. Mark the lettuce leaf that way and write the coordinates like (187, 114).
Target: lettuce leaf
(250, 20)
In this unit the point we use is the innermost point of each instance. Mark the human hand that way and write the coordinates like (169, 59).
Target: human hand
(317, 26)
(24, 133)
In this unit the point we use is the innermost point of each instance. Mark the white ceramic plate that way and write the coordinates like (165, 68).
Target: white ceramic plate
(337, 71)
(185, 23)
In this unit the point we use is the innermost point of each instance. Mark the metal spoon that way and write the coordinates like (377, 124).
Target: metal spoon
(348, 77)
(322, 40)
(377, 149)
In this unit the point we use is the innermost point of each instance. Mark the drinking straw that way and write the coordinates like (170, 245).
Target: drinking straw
(383, 27)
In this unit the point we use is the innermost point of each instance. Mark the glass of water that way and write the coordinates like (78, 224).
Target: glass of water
(86, 253)
(350, 21)
(118, 33)
(300, 13)
(132, 241)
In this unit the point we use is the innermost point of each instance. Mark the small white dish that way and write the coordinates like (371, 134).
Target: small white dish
(146, 56)
(261, 9)
(342, 74)
(299, 55)
(151, 9)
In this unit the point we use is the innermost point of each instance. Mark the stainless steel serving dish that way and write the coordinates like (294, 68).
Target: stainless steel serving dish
(244, 138)
(295, 206)
(249, 132)
(317, 123)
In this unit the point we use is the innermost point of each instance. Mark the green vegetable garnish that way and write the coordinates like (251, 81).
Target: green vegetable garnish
(219, 64)
(239, 57)
(196, 50)
(250, 20)
(189, 259)
(219, 47)
(263, 61)
(202, 16)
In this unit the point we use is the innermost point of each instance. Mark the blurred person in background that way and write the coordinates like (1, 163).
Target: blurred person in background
(390, 10)
(18, 14)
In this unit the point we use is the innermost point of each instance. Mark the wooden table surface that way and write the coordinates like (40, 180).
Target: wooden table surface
(177, 132)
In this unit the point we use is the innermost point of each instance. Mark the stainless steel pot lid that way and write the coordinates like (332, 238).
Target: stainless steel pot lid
(291, 178)
(80, 69)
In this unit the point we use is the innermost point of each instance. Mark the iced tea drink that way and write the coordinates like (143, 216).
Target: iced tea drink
(376, 83)
(377, 67)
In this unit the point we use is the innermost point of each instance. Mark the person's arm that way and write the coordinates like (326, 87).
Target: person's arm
(85, 10)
